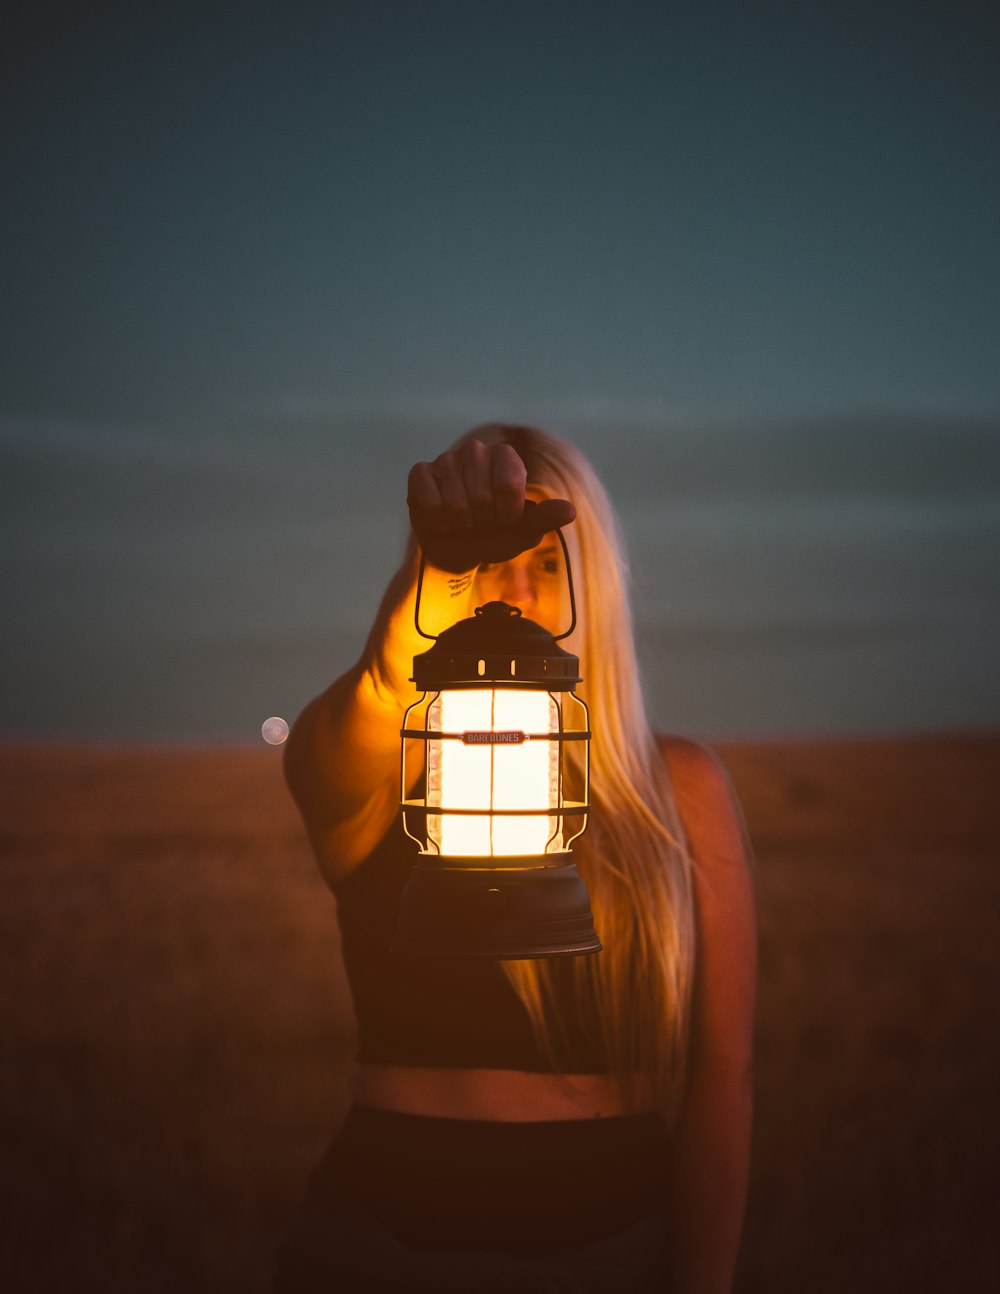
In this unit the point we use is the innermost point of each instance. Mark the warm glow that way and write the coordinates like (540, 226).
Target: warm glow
(522, 776)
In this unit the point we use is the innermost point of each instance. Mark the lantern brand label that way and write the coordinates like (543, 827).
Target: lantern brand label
(511, 738)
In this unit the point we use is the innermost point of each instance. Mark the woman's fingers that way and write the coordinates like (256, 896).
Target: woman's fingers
(477, 475)
(451, 482)
(508, 481)
(478, 487)
(423, 497)
(550, 514)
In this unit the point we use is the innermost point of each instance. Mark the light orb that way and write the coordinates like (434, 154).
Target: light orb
(274, 730)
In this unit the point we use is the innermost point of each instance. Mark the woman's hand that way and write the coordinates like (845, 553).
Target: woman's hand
(470, 506)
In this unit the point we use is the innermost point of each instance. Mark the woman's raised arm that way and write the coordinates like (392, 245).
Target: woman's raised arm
(342, 757)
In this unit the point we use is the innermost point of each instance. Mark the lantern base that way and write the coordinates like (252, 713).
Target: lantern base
(539, 908)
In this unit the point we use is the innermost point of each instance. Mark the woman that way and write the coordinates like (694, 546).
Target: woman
(580, 1123)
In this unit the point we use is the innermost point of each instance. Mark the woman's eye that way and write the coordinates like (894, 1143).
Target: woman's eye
(550, 566)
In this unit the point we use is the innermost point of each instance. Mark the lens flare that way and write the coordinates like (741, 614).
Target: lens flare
(274, 730)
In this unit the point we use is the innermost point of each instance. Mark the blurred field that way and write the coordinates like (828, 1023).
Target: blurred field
(176, 1027)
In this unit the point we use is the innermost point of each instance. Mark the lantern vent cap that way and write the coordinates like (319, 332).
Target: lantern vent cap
(496, 645)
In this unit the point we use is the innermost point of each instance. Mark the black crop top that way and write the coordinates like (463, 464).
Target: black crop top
(448, 1012)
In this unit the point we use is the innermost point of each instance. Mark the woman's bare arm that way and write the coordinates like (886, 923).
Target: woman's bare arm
(342, 757)
(712, 1147)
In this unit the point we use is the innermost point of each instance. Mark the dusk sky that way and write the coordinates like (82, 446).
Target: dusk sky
(752, 209)
(257, 260)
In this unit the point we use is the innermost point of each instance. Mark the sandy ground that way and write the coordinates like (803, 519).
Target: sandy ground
(176, 1026)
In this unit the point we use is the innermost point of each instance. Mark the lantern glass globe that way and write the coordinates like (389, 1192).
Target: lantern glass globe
(523, 774)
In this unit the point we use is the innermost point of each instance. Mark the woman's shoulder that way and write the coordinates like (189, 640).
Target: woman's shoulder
(705, 799)
(691, 765)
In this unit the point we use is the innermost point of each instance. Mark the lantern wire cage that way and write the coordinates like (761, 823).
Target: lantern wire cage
(567, 780)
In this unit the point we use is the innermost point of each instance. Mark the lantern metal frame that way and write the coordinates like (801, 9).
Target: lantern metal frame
(515, 906)
(565, 808)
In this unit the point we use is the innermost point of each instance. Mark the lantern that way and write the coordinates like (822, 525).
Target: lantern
(503, 796)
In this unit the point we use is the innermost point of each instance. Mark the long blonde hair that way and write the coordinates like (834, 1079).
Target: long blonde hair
(633, 857)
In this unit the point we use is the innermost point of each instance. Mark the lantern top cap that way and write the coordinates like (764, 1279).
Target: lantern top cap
(496, 645)
(500, 610)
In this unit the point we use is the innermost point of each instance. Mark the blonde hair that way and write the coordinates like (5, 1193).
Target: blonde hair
(633, 857)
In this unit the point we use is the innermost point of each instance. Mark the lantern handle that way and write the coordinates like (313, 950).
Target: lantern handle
(569, 579)
(416, 609)
(572, 596)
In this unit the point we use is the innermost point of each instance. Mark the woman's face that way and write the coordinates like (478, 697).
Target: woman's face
(533, 581)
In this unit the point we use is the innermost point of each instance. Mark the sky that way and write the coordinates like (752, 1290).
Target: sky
(256, 260)
(748, 209)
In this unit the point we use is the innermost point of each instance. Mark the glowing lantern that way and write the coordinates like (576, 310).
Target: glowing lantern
(503, 797)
